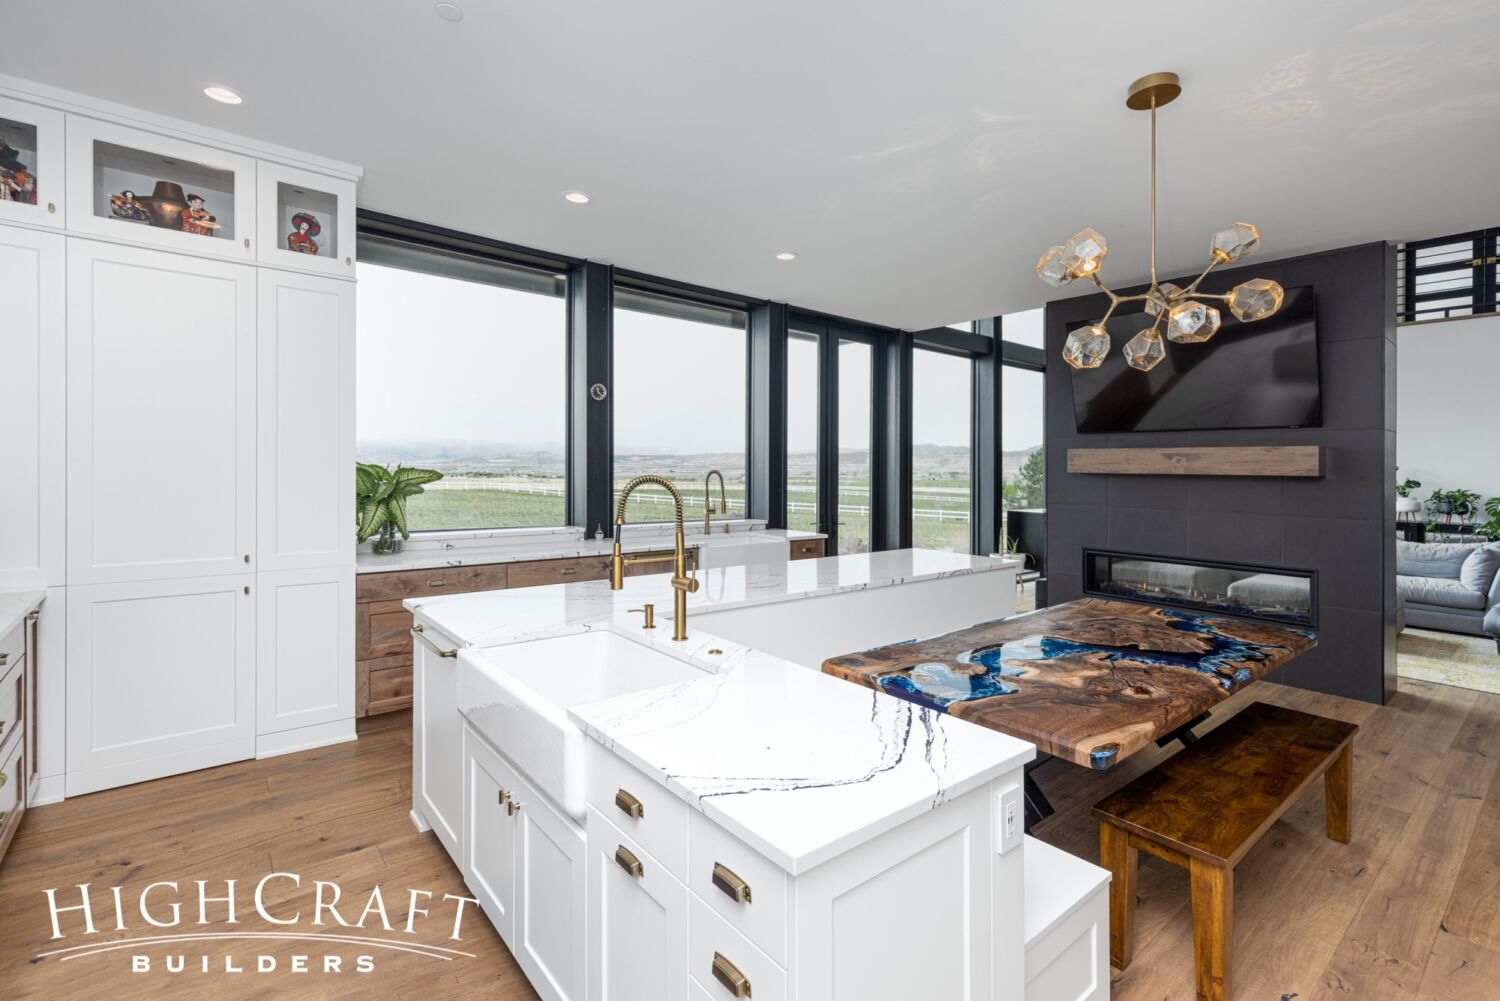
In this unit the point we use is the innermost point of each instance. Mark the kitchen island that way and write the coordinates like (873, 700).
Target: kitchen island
(647, 819)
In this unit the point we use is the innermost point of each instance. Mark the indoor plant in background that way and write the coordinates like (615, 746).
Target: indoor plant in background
(1490, 529)
(380, 502)
(1405, 502)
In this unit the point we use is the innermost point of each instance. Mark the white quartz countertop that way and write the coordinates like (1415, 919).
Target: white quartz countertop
(797, 764)
(15, 605)
(511, 546)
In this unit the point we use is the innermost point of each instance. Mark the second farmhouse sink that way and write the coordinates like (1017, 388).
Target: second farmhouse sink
(740, 549)
(518, 696)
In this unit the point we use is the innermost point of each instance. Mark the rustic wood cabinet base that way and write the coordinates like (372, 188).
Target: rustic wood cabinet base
(382, 625)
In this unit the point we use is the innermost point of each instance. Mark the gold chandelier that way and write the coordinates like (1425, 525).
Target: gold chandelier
(1187, 319)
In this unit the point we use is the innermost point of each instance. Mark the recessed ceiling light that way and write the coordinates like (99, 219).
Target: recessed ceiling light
(222, 94)
(786, 255)
(577, 197)
(449, 11)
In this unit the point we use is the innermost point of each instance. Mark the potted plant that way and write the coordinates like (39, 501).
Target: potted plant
(380, 502)
(1491, 528)
(1405, 502)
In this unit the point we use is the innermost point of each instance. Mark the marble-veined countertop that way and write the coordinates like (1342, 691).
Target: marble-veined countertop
(798, 765)
(16, 605)
(505, 545)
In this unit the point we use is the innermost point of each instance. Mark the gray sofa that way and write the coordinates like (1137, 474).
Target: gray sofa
(1451, 586)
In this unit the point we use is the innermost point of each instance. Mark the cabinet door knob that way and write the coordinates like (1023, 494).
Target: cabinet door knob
(52, 208)
(625, 859)
(247, 588)
(512, 807)
(4, 659)
(247, 243)
(504, 795)
(730, 976)
(418, 628)
(247, 557)
(734, 887)
(629, 805)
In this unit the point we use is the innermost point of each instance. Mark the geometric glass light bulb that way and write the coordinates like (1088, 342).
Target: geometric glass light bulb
(1234, 243)
(1145, 350)
(1192, 322)
(1086, 346)
(1052, 269)
(1083, 252)
(1161, 298)
(1255, 299)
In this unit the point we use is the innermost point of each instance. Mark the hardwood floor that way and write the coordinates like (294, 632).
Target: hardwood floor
(1410, 909)
(336, 814)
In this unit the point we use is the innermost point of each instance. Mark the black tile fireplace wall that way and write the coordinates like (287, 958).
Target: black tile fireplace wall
(1341, 525)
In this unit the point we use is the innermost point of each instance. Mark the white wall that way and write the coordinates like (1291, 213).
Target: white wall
(1447, 393)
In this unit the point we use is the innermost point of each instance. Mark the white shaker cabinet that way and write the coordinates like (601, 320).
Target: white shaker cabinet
(305, 473)
(161, 415)
(637, 920)
(437, 758)
(161, 678)
(304, 658)
(32, 399)
(491, 799)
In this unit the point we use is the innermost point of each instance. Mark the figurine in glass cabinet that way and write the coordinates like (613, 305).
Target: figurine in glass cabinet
(126, 206)
(196, 218)
(307, 226)
(17, 184)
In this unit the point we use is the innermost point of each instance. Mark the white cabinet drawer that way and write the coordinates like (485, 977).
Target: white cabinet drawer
(739, 884)
(641, 807)
(12, 696)
(718, 956)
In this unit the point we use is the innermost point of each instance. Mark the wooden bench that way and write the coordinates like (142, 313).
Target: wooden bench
(1206, 806)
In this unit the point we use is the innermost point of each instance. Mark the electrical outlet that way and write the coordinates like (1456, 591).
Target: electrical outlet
(1012, 818)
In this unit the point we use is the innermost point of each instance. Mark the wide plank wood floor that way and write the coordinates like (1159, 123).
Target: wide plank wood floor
(1409, 910)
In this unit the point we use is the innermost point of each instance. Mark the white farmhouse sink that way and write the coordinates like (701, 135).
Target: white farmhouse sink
(518, 696)
(740, 549)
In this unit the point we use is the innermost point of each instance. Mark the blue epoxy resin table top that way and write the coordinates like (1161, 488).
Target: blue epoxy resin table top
(1092, 681)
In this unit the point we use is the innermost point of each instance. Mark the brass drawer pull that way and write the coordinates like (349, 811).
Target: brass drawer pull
(625, 859)
(730, 976)
(734, 887)
(418, 628)
(447, 653)
(569, 570)
(4, 659)
(436, 583)
(629, 805)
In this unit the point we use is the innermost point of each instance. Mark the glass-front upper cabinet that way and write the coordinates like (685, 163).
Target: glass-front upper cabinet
(124, 184)
(306, 220)
(31, 163)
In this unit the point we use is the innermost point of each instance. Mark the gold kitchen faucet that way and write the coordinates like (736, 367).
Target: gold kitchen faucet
(682, 584)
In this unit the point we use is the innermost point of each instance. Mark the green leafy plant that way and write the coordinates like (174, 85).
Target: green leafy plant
(1406, 486)
(1491, 528)
(380, 498)
(1458, 501)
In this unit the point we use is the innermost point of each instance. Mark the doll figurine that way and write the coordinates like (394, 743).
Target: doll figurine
(196, 219)
(307, 227)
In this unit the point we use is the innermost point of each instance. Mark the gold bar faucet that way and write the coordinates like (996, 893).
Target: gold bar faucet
(682, 584)
(708, 505)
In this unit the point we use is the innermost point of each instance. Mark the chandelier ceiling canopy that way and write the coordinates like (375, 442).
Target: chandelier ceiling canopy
(1182, 311)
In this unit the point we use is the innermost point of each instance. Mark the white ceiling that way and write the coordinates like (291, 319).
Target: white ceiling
(918, 156)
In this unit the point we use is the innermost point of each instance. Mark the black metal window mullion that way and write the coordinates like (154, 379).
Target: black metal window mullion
(1474, 255)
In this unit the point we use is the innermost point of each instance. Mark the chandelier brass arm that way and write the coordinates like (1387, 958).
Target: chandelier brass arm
(1186, 318)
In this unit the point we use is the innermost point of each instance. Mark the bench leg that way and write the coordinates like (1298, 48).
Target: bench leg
(1336, 782)
(1121, 859)
(1213, 927)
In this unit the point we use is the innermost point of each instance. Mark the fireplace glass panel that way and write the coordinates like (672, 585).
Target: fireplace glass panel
(1253, 592)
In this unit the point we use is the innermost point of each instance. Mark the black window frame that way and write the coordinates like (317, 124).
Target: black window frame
(1483, 295)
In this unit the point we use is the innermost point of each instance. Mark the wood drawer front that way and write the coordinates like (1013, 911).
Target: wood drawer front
(12, 647)
(12, 791)
(662, 827)
(12, 697)
(532, 573)
(390, 681)
(709, 934)
(390, 629)
(763, 918)
(808, 549)
(438, 580)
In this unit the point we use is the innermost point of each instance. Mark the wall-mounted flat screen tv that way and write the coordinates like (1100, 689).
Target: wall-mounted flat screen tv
(1250, 375)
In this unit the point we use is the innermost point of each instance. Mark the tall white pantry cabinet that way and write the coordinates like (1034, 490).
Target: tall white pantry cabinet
(177, 397)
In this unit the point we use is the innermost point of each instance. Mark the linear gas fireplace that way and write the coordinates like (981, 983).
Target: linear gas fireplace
(1270, 593)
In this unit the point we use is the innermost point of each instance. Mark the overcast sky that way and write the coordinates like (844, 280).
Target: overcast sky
(442, 359)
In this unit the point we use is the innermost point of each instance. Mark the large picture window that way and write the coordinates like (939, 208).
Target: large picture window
(942, 453)
(462, 368)
(802, 473)
(680, 371)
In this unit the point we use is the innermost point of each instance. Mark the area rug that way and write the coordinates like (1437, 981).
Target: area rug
(1449, 659)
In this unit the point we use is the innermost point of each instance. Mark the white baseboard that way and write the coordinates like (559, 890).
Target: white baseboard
(419, 822)
(269, 745)
(130, 772)
(49, 789)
